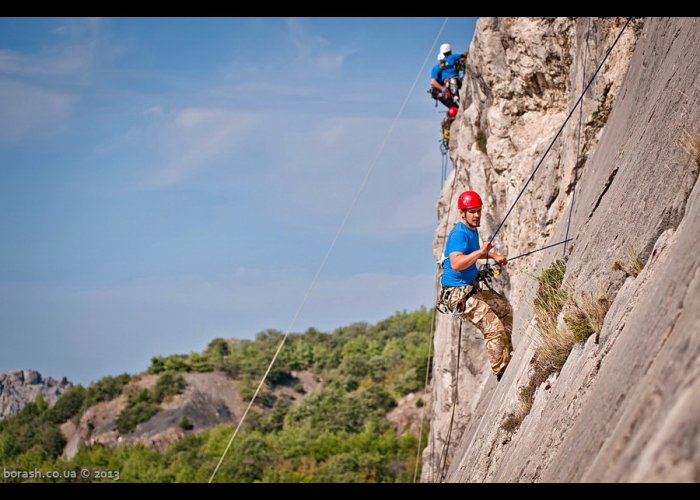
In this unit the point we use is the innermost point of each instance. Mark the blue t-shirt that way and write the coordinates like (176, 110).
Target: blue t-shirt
(448, 66)
(465, 240)
(436, 74)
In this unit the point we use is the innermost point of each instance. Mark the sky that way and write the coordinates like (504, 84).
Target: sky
(164, 182)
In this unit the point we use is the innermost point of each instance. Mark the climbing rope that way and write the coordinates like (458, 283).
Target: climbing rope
(432, 331)
(444, 152)
(444, 164)
(427, 380)
(556, 136)
(351, 207)
(511, 259)
(578, 143)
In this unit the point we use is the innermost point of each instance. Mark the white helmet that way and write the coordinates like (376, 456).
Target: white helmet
(441, 57)
(445, 48)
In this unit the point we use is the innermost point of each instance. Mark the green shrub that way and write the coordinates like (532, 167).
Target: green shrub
(140, 408)
(68, 405)
(167, 385)
(201, 363)
(172, 363)
(185, 424)
(105, 389)
(481, 141)
(579, 326)
(583, 317)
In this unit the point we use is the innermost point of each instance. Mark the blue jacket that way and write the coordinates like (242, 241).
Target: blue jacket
(448, 66)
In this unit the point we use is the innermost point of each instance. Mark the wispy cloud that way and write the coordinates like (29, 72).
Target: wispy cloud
(26, 109)
(35, 87)
(315, 51)
(192, 138)
(81, 27)
(70, 60)
(72, 63)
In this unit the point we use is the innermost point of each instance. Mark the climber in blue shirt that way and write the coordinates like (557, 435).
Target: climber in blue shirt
(450, 69)
(437, 88)
(460, 294)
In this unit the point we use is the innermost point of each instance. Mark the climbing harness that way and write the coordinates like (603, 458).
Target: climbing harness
(451, 299)
(452, 86)
(448, 97)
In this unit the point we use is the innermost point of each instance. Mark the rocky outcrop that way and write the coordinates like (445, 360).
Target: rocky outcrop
(208, 400)
(625, 408)
(408, 412)
(21, 387)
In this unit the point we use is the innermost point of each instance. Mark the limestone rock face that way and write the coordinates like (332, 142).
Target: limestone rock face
(21, 387)
(625, 408)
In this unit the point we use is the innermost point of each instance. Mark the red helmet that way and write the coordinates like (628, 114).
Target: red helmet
(469, 199)
(452, 112)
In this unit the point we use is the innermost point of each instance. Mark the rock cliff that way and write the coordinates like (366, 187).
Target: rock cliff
(624, 406)
(20, 387)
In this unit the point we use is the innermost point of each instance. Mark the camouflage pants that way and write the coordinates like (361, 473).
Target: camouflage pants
(492, 314)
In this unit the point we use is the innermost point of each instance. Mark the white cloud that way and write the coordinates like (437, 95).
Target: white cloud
(71, 60)
(74, 61)
(154, 111)
(193, 137)
(33, 96)
(79, 27)
(27, 109)
(314, 51)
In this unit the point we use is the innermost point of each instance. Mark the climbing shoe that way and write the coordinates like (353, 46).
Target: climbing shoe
(499, 375)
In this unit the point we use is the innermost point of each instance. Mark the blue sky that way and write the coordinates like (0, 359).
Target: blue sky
(167, 181)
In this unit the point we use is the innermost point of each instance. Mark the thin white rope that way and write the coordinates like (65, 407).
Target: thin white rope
(425, 385)
(330, 249)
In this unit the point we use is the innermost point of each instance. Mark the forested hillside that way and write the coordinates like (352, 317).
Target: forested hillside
(332, 429)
